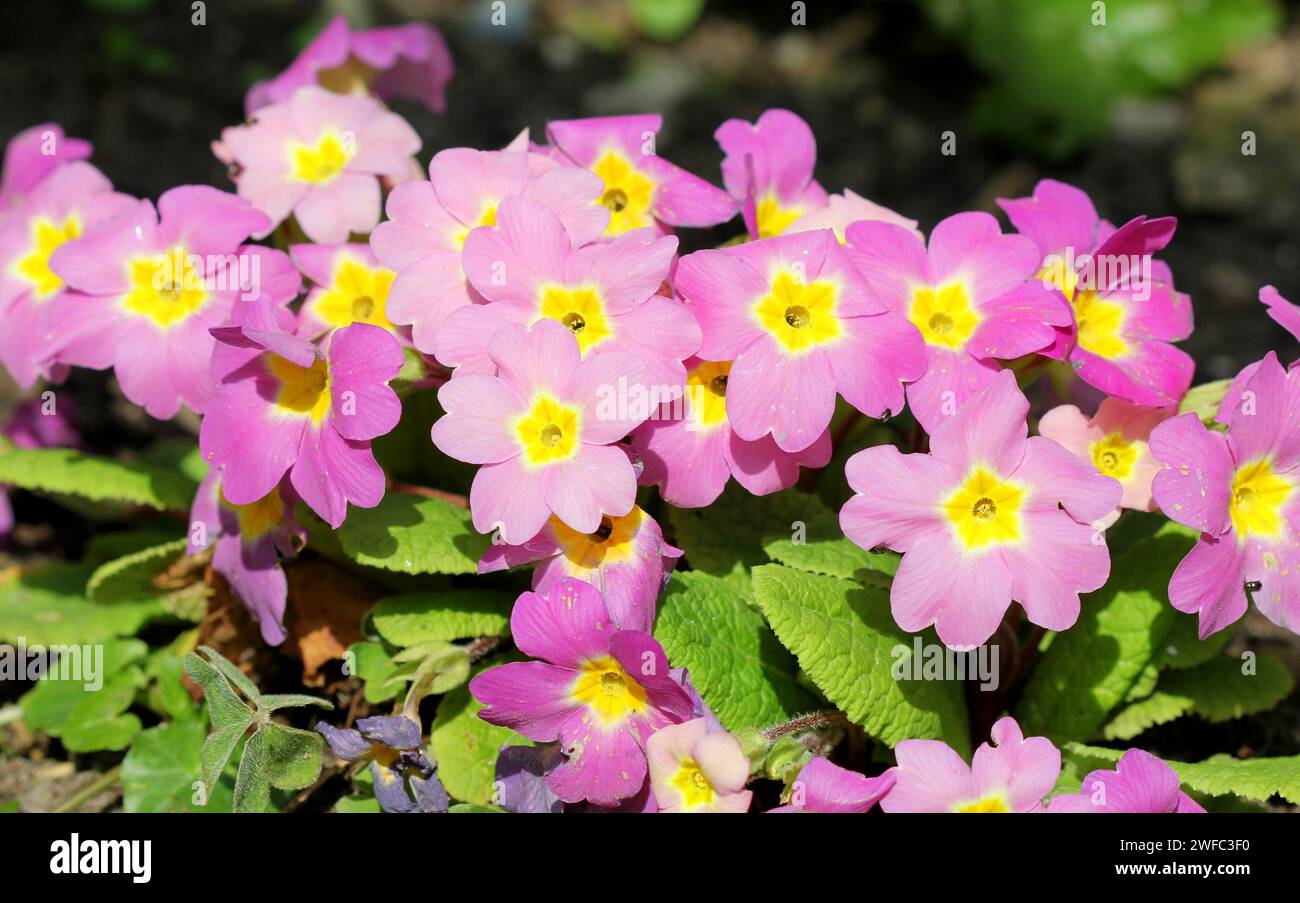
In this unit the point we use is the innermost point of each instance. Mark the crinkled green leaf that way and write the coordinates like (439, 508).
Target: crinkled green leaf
(1089, 669)
(413, 534)
(844, 638)
(161, 772)
(293, 756)
(1133, 719)
(465, 747)
(415, 618)
(726, 539)
(252, 782)
(1256, 779)
(131, 578)
(47, 606)
(100, 479)
(735, 661)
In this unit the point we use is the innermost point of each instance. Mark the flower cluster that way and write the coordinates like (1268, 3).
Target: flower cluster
(592, 375)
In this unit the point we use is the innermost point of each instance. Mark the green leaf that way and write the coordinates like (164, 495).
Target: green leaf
(293, 756)
(217, 749)
(736, 663)
(1204, 400)
(1089, 669)
(252, 784)
(47, 606)
(1216, 690)
(231, 672)
(413, 534)
(473, 808)
(160, 772)
(1257, 779)
(100, 720)
(846, 640)
(358, 803)
(131, 578)
(415, 618)
(273, 701)
(224, 706)
(1183, 649)
(465, 747)
(371, 663)
(48, 705)
(726, 539)
(100, 479)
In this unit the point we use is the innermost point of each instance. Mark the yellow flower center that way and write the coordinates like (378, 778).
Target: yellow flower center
(260, 517)
(610, 543)
(304, 391)
(323, 162)
(34, 266)
(487, 218)
(580, 309)
(166, 288)
(1115, 456)
(984, 510)
(1100, 322)
(549, 431)
(944, 314)
(706, 386)
(694, 787)
(772, 218)
(357, 293)
(799, 315)
(352, 77)
(1258, 497)
(628, 193)
(994, 803)
(609, 691)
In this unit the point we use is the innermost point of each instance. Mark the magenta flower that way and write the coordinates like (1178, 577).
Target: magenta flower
(971, 295)
(768, 167)
(409, 61)
(600, 691)
(822, 786)
(695, 769)
(151, 283)
(247, 544)
(799, 324)
(1013, 774)
(690, 450)
(63, 205)
(641, 188)
(1139, 783)
(987, 516)
(428, 222)
(605, 294)
(319, 157)
(32, 155)
(545, 430)
(1114, 441)
(1239, 490)
(626, 558)
(349, 287)
(283, 405)
(1124, 319)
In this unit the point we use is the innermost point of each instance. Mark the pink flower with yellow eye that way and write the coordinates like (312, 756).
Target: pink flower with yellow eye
(626, 558)
(990, 515)
(690, 450)
(640, 188)
(1013, 774)
(544, 431)
(63, 205)
(695, 769)
(400, 61)
(1114, 441)
(799, 325)
(768, 167)
(1242, 492)
(151, 283)
(349, 287)
(286, 406)
(601, 691)
(1126, 310)
(424, 236)
(319, 157)
(971, 294)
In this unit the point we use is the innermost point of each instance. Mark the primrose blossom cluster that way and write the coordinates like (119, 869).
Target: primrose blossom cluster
(529, 282)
